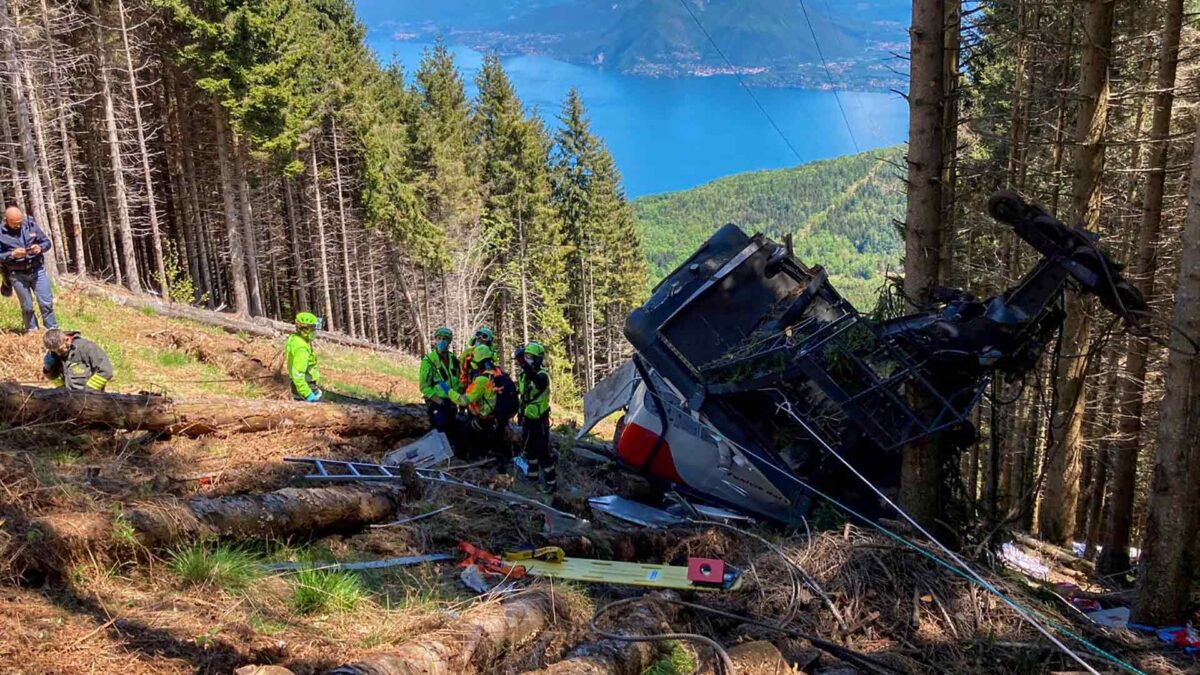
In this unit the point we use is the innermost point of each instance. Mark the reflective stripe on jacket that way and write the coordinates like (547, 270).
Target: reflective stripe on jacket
(535, 402)
(481, 395)
(435, 370)
(301, 363)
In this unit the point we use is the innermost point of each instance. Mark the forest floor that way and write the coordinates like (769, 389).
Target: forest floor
(211, 607)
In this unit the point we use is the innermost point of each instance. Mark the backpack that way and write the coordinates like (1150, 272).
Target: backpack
(507, 403)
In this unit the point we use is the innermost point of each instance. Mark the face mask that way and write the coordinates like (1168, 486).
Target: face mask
(443, 345)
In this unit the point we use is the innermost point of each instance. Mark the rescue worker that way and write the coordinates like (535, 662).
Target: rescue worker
(487, 399)
(439, 376)
(533, 396)
(483, 336)
(302, 360)
(79, 363)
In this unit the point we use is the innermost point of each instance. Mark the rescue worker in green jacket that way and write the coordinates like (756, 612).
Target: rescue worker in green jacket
(483, 336)
(79, 363)
(485, 399)
(439, 376)
(302, 360)
(533, 395)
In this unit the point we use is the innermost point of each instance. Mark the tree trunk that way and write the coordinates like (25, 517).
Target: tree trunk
(64, 140)
(275, 515)
(299, 281)
(921, 469)
(1056, 514)
(151, 201)
(326, 303)
(237, 256)
(141, 412)
(351, 324)
(1173, 507)
(14, 171)
(25, 125)
(615, 657)
(475, 642)
(1115, 556)
(248, 234)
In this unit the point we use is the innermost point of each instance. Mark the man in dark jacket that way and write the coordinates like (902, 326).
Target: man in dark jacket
(81, 363)
(23, 247)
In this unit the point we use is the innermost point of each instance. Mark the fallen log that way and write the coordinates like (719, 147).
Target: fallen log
(1056, 553)
(472, 643)
(617, 657)
(21, 404)
(232, 323)
(755, 658)
(284, 513)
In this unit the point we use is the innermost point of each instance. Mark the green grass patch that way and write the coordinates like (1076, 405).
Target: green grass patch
(678, 661)
(326, 591)
(123, 532)
(148, 311)
(224, 567)
(67, 457)
(173, 358)
(265, 625)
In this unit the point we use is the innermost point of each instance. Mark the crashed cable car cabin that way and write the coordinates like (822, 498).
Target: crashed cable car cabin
(751, 371)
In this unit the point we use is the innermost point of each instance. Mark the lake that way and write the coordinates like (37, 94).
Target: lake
(672, 134)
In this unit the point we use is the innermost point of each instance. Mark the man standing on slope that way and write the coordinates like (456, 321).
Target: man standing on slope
(23, 246)
(302, 360)
(80, 363)
(439, 376)
(533, 392)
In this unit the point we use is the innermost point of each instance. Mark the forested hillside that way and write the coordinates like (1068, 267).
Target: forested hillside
(255, 156)
(842, 212)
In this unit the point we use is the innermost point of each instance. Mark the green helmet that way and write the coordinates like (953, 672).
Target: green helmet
(443, 332)
(484, 336)
(482, 353)
(307, 319)
(535, 349)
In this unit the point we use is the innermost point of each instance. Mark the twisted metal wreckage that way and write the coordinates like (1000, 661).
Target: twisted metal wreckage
(752, 373)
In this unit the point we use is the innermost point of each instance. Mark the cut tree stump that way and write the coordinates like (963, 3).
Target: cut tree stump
(617, 657)
(21, 404)
(65, 537)
(472, 643)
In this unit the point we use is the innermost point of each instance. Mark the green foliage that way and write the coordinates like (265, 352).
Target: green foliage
(223, 567)
(325, 591)
(173, 358)
(840, 211)
(182, 288)
(677, 661)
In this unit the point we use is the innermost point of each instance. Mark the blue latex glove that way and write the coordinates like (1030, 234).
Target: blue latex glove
(444, 387)
(313, 396)
(48, 362)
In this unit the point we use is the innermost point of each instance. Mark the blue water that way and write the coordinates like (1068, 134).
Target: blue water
(672, 134)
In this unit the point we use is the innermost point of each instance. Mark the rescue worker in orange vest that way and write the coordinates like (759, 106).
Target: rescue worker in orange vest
(533, 395)
(439, 376)
(491, 401)
(483, 336)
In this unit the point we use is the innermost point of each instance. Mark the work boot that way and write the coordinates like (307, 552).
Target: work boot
(6, 287)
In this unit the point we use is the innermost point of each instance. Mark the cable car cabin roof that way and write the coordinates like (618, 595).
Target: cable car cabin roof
(730, 288)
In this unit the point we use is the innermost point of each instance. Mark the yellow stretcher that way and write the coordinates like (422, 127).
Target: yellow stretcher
(701, 574)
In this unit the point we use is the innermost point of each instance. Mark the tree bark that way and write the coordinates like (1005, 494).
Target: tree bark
(921, 469)
(248, 235)
(274, 515)
(1115, 555)
(144, 151)
(473, 643)
(237, 255)
(21, 404)
(326, 302)
(351, 324)
(117, 164)
(1173, 506)
(615, 657)
(64, 140)
(25, 125)
(1056, 513)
